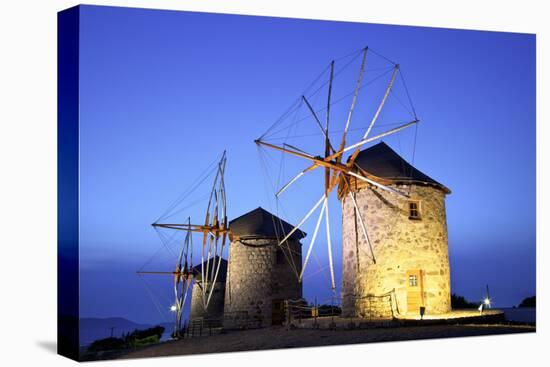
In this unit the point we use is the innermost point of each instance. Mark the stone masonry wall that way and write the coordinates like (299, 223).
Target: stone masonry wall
(255, 278)
(215, 307)
(399, 244)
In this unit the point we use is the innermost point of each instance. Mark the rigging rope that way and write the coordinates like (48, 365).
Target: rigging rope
(155, 301)
(407, 92)
(360, 128)
(268, 133)
(197, 183)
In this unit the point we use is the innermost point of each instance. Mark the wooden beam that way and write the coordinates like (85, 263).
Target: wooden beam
(193, 227)
(319, 161)
(164, 272)
(292, 152)
(353, 102)
(378, 110)
(312, 242)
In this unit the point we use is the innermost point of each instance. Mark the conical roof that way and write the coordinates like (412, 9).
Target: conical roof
(259, 223)
(223, 269)
(382, 161)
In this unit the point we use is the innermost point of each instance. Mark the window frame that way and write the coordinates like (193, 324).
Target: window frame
(413, 278)
(418, 209)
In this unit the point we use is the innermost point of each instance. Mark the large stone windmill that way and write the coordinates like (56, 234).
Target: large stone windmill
(408, 237)
(374, 201)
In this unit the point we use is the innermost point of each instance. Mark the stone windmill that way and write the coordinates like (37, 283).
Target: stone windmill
(262, 271)
(408, 237)
(215, 308)
(356, 181)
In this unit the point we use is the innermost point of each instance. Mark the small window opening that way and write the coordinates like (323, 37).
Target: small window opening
(413, 281)
(414, 210)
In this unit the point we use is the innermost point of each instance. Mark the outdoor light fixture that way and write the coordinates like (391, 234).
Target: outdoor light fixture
(487, 301)
(173, 308)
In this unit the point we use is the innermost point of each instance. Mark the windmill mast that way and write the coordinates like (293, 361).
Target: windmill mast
(215, 232)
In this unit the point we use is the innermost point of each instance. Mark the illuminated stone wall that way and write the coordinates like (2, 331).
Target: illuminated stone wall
(399, 244)
(215, 306)
(255, 278)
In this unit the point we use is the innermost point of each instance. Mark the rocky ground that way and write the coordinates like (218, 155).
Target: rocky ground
(280, 337)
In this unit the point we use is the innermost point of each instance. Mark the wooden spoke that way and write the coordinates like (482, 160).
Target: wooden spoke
(353, 102)
(327, 140)
(363, 227)
(159, 272)
(329, 245)
(213, 282)
(372, 182)
(282, 149)
(380, 106)
(293, 147)
(328, 106)
(288, 184)
(320, 162)
(191, 227)
(323, 131)
(312, 242)
(314, 115)
(302, 221)
(379, 136)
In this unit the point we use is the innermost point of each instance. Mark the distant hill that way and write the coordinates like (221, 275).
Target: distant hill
(529, 302)
(97, 328)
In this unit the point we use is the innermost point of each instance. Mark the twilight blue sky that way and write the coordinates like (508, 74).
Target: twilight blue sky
(164, 93)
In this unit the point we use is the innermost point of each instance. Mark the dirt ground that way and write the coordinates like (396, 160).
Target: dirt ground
(279, 337)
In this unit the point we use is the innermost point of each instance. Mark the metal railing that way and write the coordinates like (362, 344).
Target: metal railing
(201, 327)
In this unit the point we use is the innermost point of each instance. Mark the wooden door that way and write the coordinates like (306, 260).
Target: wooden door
(415, 294)
(277, 312)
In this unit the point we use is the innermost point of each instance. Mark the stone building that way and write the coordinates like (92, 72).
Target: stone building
(261, 275)
(214, 311)
(408, 237)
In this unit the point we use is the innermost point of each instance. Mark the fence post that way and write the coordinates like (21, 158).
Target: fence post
(316, 313)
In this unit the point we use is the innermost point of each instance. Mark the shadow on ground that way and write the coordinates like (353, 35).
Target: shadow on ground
(48, 345)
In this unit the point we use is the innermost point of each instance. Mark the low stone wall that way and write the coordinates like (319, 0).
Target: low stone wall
(449, 318)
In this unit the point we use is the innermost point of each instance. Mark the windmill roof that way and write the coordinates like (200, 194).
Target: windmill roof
(261, 223)
(382, 161)
(223, 268)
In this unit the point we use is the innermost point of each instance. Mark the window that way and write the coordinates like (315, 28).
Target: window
(414, 209)
(413, 281)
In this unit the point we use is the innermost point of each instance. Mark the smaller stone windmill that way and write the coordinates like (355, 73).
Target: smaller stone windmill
(262, 271)
(214, 311)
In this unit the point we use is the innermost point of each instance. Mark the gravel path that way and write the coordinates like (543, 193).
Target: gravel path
(275, 338)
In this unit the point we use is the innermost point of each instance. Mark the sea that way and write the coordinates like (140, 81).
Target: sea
(524, 314)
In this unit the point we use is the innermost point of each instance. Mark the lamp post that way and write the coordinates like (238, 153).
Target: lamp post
(174, 308)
